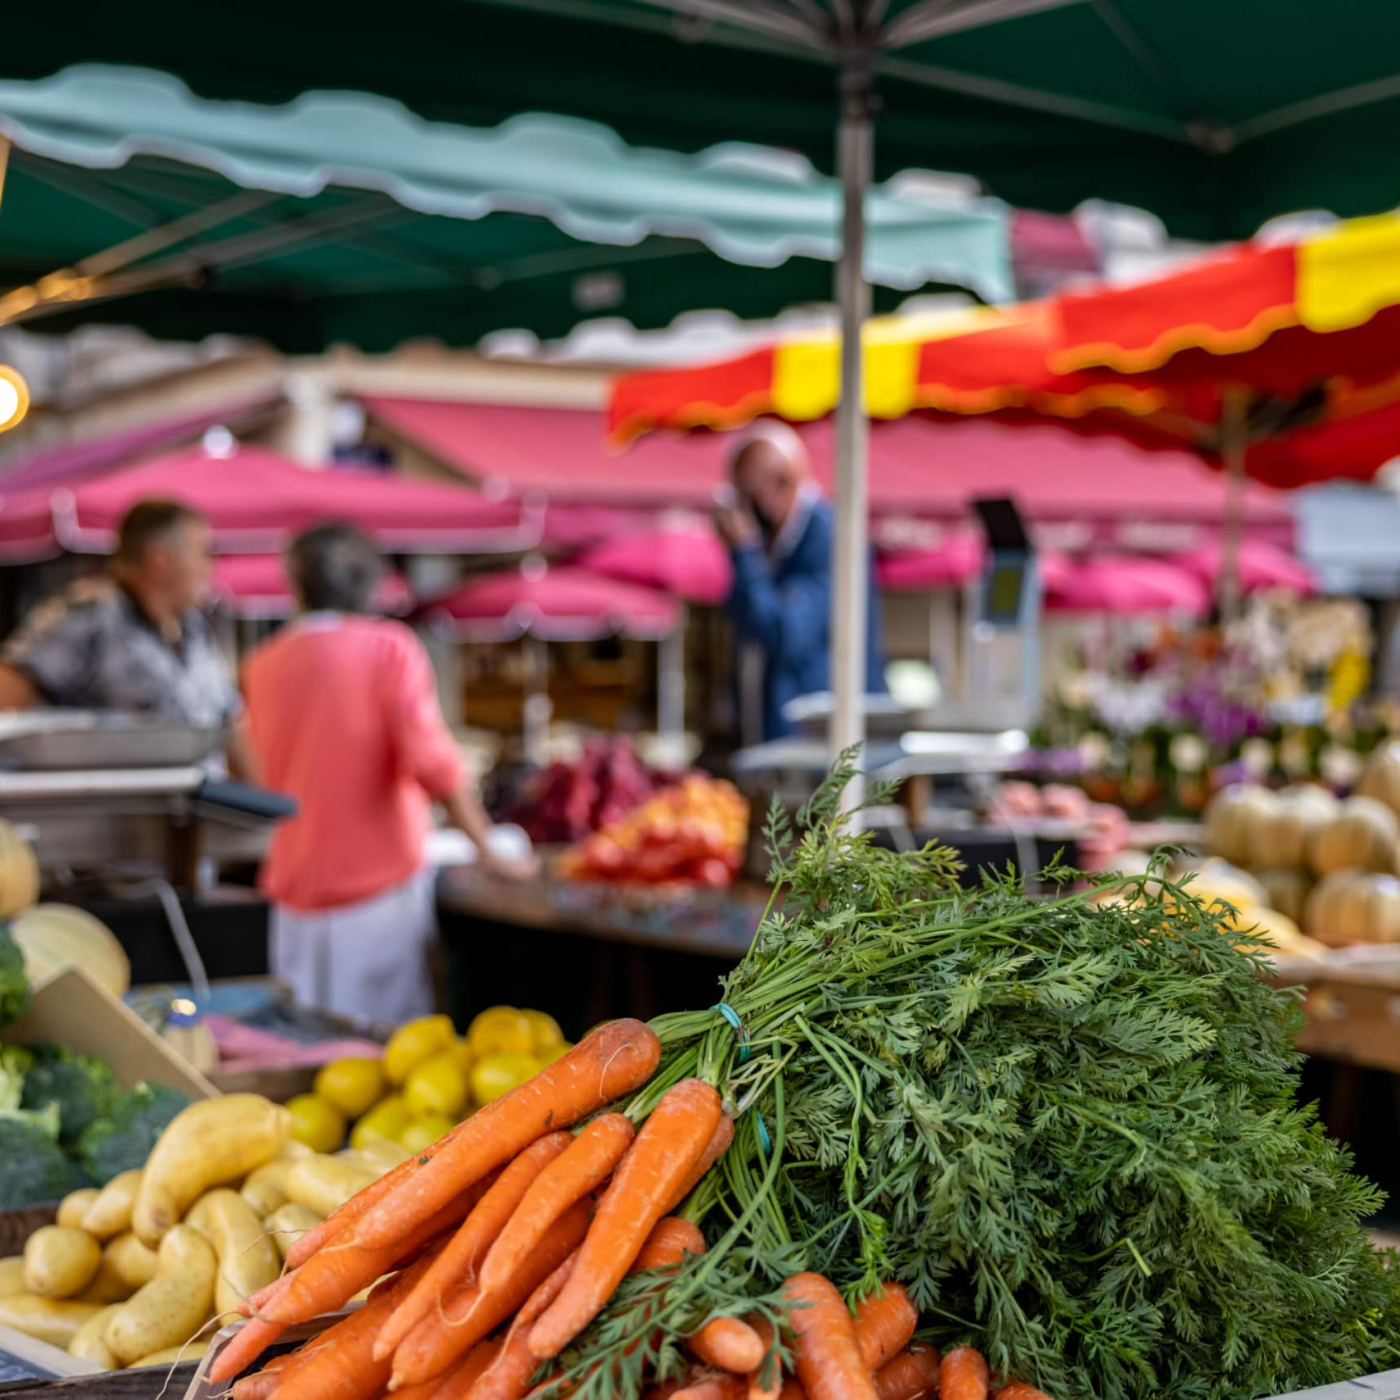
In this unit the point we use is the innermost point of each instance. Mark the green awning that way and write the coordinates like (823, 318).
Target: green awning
(1213, 115)
(344, 216)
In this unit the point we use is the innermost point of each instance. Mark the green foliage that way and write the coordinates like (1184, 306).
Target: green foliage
(14, 984)
(82, 1087)
(1070, 1127)
(33, 1168)
(125, 1139)
(15, 1063)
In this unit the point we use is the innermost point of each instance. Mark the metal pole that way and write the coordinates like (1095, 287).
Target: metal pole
(670, 681)
(851, 565)
(1234, 444)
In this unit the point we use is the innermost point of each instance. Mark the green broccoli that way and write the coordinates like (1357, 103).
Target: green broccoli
(83, 1087)
(33, 1168)
(15, 1063)
(14, 985)
(125, 1139)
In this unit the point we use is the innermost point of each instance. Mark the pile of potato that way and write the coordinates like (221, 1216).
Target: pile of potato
(143, 1271)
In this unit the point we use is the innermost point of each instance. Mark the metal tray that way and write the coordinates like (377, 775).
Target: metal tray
(64, 741)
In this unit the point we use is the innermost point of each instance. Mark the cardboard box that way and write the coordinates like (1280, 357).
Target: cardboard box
(71, 1009)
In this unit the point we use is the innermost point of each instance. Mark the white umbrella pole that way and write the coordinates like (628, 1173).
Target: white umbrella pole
(851, 566)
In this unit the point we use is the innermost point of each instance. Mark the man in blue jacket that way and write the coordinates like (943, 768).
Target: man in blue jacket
(779, 529)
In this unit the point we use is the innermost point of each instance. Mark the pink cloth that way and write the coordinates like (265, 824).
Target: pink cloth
(345, 718)
(252, 1047)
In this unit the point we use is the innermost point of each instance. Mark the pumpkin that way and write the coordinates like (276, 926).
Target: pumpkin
(1281, 836)
(1288, 889)
(1353, 906)
(1362, 836)
(53, 935)
(19, 872)
(1232, 818)
(1380, 779)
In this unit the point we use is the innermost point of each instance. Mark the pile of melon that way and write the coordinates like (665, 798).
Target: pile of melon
(1329, 865)
(53, 935)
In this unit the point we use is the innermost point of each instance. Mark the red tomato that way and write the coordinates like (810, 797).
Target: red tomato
(714, 873)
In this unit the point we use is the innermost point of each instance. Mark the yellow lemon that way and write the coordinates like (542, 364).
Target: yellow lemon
(320, 1125)
(544, 1030)
(387, 1119)
(436, 1086)
(502, 1030)
(494, 1075)
(415, 1042)
(353, 1085)
(424, 1131)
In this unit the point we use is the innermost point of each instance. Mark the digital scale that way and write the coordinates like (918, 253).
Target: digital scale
(1001, 657)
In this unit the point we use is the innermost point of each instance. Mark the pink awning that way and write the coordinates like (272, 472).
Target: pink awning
(1124, 498)
(255, 500)
(556, 604)
(945, 565)
(689, 563)
(1121, 586)
(255, 586)
(1259, 565)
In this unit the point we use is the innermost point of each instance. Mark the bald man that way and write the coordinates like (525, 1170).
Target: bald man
(779, 529)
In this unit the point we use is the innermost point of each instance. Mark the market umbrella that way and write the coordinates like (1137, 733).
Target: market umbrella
(544, 603)
(255, 499)
(343, 216)
(255, 587)
(1122, 586)
(691, 563)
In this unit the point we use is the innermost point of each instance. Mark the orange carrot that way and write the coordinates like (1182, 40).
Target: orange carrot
(250, 1305)
(458, 1262)
(670, 1241)
(963, 1375)
(330, 1279)
(244, 1348)
(792, 1390)
(770, 1367)
(1019, 1390)
(344, 1368)
(616, 1059)
(261, 1384)
(470, 1314)
(825, 1348)
(910, 1375)
(717, 1146)
(586, 1164)
(456, 1382)
(727, 1387)
(645, 1183)
(885, 1322)
(728, 1344)
(508, 1376)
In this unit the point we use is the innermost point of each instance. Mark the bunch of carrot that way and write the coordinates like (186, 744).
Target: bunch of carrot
(489, 1253)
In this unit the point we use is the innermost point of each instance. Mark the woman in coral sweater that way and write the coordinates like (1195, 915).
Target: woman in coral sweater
(343, 712)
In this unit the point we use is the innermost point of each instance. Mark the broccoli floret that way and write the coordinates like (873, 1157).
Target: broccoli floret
(15, 1063)
(82, 1086)
(14, 985)
(124, 1140)
(33, 1168)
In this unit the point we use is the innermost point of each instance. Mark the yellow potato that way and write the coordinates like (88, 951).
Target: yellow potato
(293, 1151)
(60, 1261)
(107, 1285)
(74, 1206)
(376, 1154)
(12, 1276)
(248, 1258)
(170, 1309)
(288, 1223)
(266, 1188)
(132, 1262)
(89, 1342)
(325, 1184)
(172, 1356)
(207, 1144)
(52, 1320)
(110, 1213)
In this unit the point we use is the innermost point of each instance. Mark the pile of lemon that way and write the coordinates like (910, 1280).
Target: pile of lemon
(427, 1080)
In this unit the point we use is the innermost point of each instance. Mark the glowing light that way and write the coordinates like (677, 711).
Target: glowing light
(14, 397)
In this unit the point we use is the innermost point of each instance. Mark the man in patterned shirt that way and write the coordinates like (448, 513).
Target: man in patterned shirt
(135, 639)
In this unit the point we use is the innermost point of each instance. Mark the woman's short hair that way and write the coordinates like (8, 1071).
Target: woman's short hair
(334, 568)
